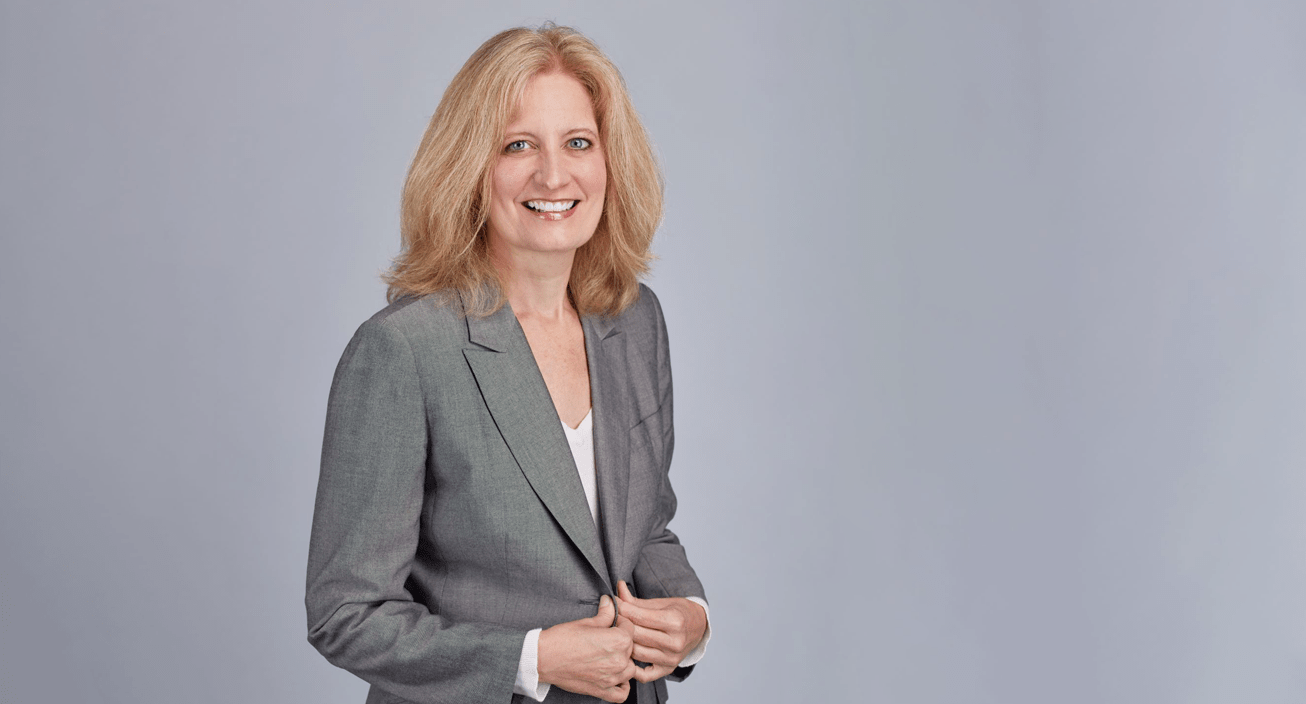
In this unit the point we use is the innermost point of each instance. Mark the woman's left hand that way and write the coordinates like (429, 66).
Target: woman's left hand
(664, 630)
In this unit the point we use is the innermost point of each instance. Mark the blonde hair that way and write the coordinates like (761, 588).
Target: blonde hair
(445, 206)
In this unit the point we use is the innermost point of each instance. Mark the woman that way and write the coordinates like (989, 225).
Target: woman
(491, 517)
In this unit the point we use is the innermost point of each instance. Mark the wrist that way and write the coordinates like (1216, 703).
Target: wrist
(544, 655)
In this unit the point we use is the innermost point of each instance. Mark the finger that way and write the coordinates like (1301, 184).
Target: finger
(655, 656)
(616, 688)
(619, 693)
(651, 638)
(630, 670)
(626, 625)
(659, 619)
(607, 612)
(653, 672)
(624, 593)
(636, 604)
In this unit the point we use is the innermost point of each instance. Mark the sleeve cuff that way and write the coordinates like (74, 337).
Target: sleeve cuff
(696, 654)
(528, 682)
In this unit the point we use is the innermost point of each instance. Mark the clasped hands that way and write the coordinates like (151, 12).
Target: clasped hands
(596, 656)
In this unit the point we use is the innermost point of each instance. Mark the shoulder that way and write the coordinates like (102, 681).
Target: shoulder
(646, 328)
(425, 317)
(411, 327)
(645, 314)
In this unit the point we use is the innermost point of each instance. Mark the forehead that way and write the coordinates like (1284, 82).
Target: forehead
(555, 99)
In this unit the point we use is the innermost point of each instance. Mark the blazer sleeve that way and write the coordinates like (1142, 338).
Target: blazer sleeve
(366, 523)
(663, 570)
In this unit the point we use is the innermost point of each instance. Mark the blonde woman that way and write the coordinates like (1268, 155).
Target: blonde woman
(491, 517)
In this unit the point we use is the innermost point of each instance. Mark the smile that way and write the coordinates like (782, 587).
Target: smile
(551, 206)
(552, 209)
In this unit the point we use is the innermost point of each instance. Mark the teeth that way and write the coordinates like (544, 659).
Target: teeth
(548, 206)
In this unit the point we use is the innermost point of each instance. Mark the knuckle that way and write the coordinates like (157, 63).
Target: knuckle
(649, 674)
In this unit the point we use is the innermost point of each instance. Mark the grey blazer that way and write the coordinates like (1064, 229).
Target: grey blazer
(450, 518)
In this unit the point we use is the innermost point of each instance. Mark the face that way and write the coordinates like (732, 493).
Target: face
(550, 177)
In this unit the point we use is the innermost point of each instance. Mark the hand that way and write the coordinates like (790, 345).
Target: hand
(588, 656)
(663, 630)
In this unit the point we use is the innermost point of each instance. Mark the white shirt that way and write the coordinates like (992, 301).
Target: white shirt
(581, 440)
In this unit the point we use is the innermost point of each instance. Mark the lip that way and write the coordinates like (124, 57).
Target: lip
(552, 216)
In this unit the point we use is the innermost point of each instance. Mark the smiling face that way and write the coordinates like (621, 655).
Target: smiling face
(550, 177)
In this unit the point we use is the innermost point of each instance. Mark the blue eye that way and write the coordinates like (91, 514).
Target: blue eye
(579, 143)
(519, 145)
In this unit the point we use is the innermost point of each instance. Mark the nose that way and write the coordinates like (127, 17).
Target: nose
(551, 172)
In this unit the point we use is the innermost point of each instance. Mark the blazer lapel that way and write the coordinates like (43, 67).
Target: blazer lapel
(606, 349)
(517, 398)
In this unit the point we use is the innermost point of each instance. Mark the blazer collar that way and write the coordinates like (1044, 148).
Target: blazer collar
(496, 331)
(605, 347)
(515, 394)
(601, 325)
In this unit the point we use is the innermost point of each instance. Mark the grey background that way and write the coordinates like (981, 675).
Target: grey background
(1021, 288)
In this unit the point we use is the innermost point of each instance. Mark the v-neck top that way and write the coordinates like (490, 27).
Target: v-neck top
(581, 440)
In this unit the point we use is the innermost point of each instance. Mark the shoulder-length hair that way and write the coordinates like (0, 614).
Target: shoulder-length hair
(446, 198)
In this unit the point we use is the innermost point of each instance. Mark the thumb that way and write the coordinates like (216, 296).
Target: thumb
(607, 614)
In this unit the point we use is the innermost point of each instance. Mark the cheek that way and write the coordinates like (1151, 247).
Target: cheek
(596, 178)
(506, 182)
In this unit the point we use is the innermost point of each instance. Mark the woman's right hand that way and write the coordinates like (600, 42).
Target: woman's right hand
(588, 656)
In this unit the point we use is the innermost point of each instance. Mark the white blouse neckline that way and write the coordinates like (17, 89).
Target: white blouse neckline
(581, 441)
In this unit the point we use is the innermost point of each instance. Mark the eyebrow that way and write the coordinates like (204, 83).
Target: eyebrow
(532, 135)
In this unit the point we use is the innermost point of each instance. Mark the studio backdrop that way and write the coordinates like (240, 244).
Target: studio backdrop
(987, 320)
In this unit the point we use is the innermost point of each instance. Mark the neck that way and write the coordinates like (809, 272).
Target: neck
(536, 284)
